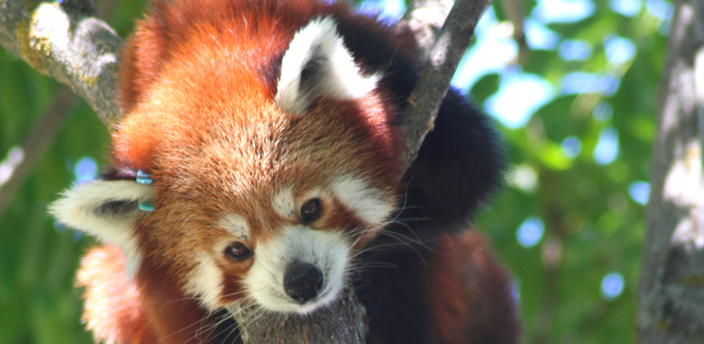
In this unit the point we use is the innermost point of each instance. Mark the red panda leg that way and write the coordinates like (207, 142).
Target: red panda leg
(113, 309)
(469, 293)
(174, 317)
(119, 311)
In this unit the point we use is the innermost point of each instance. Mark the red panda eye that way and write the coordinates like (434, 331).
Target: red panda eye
(310, 211)
(238, 250)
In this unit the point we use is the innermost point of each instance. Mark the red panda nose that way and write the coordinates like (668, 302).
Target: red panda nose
(303, 281)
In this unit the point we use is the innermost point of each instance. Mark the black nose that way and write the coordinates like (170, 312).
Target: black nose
(302, 281)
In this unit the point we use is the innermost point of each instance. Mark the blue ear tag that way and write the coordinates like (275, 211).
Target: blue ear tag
(146, 206)
(143, 178)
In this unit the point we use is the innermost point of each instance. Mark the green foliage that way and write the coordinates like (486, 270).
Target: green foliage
(591, 225)
(38, 303)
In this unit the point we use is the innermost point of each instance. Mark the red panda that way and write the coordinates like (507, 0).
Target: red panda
(268, 130)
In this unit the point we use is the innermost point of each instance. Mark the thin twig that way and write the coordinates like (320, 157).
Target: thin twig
(36, 144)
(514, 12)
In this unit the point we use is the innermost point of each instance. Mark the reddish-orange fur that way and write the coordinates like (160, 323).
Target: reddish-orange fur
(172, 316)
(224, 71)
(117, 310)
(113, 308)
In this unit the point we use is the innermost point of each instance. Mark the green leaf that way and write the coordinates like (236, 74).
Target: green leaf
(484, 88)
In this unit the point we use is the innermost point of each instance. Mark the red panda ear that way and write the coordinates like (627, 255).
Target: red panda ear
(106, 210)
(317, 63)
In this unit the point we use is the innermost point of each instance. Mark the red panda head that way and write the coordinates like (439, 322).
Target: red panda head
(263, 191)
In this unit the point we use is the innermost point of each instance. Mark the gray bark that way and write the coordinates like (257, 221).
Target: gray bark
(671, 289)
(442, 59)
(344, 322)
(425, 18)
(67, 42)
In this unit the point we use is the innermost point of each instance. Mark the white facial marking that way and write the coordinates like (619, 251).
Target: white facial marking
(87, 207)
(336, 73)
(284, 203)
(133, 257)
(205, 281)
(328, 251)
(367, 202)
(315, 193)
(236, 224)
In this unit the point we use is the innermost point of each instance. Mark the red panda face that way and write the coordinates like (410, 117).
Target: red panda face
(259, 196)
(279, 231)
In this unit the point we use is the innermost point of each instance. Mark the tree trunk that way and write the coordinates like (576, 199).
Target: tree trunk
(671, 290)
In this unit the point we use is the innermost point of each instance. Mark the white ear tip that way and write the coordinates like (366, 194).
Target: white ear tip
(106, 210)
(102, 208)
(320, 50)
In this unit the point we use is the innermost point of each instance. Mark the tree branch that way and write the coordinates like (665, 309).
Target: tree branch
(66, 42)
(343, 322)
(425, 18)
(434, 81)
(670, 293)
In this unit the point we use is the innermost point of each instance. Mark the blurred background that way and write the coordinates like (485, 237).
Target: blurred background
(570, 83)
